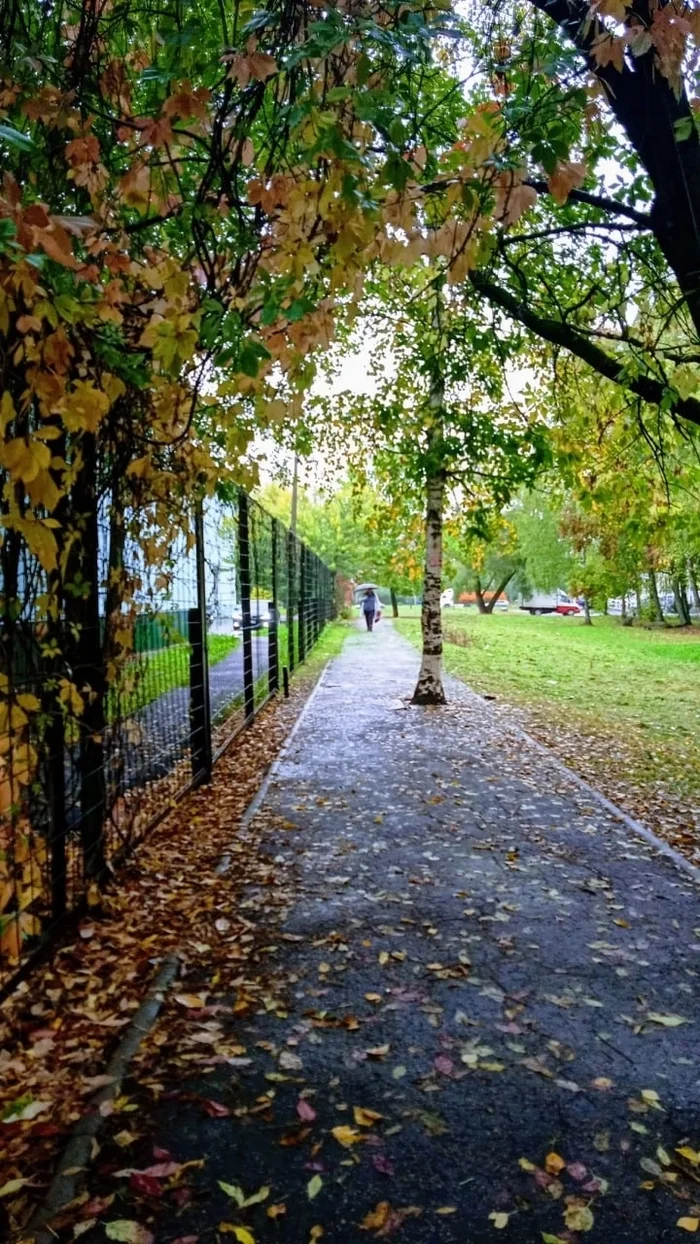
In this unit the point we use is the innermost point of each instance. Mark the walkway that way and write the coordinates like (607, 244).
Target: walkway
(473, 1014)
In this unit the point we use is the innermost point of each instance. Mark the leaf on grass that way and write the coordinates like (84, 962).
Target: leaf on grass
(314, 1186)
(128, 1232)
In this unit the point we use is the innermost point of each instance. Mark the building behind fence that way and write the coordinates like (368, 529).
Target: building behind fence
(242, 603)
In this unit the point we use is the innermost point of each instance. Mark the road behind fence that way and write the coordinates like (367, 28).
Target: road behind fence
(214, 630)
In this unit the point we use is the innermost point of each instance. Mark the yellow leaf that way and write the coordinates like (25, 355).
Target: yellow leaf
(29, 702)
(578, 1217)
(499, 1219)
(688, 1224)
(553, 1164)
(365, 1118)
(347, 1136)
(526, 1165)
(242, 1234)
(689, 1154)
(376, 1218)
(373, 997)
(276, 1211)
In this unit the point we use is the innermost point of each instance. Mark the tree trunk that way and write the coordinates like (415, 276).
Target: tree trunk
(654, 597)
(394, 604)
(588, 621)
(692, 578)
(499, 592)
(638, 598)
(660, 126)
(681, 603)
(480, 602)
(429, 688)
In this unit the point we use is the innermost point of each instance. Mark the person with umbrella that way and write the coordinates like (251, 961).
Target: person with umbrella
(370, 607)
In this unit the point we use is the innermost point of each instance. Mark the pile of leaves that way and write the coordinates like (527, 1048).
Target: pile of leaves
(59, 1028)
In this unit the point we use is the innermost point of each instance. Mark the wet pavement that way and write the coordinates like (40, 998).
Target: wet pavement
(469, 1012)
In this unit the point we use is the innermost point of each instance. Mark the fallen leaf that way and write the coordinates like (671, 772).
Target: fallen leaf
(499, 1219)
(668, 1021)
(685, 1151)
(553, 1164)
(276, 1211)
(376, 1218)
(13, 1185)
(128, 1232)
(30, 1110)
(242, 1234)
(290, 1061)
(365, 1118)
(305, 1111)
(688, 1224)
(578, 1217)
(347, 1136)
(314, 1187)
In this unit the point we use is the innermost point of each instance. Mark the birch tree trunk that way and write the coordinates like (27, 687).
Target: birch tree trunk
(429, 688)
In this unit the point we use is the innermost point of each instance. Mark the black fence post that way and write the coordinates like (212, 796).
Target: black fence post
(273, 672)
(56, 800)
(291, 598)
(246, 625)
(200, 707)
(302, 602)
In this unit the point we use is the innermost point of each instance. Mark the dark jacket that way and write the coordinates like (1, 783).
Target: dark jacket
(370, 603)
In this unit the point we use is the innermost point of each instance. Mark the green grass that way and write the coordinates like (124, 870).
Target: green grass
(637, 688)
(161, 671)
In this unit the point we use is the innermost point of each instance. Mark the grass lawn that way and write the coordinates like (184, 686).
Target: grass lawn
(160, 671)
(619, 702)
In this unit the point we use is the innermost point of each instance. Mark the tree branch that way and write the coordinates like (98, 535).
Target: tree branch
(643, 219)
(561, 334)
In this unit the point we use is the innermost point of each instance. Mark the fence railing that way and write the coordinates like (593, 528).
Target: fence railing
(212, 634)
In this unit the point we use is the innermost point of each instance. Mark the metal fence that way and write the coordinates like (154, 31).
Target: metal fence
(213, 633)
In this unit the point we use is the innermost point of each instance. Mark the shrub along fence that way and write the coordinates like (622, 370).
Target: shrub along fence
(212, 633)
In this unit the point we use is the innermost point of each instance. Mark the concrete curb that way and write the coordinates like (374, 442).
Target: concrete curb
(78, 1152)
